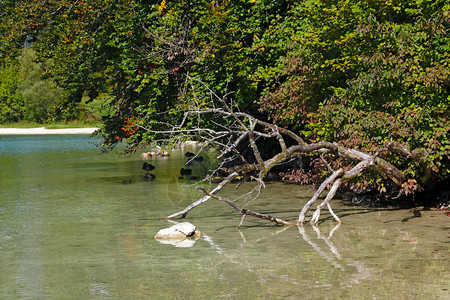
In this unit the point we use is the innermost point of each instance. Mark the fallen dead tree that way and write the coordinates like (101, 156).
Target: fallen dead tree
(244, 127)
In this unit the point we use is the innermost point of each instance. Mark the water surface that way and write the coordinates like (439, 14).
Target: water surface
(69, 229)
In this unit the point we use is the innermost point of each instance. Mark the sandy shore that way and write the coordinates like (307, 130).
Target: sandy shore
(43, 130)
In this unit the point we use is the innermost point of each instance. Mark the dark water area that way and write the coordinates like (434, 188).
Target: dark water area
(70, 229)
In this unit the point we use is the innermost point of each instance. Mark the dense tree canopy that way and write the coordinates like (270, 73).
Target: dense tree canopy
(364, 74)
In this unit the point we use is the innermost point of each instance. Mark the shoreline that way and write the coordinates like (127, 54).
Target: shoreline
(44, 131)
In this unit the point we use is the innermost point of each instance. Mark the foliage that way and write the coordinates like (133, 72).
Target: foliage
(25, 94)
(367, 74)
(70, 35)
(40, 96)
(364, 74)
(11, 102)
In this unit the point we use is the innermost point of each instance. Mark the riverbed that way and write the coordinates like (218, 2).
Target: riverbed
(77, 224)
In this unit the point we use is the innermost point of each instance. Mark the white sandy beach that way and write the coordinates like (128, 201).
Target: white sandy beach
(43, 130)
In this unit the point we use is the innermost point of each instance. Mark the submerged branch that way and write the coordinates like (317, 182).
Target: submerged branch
(247, 212)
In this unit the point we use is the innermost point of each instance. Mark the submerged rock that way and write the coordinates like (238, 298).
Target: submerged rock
(186, 243)
(179, 231)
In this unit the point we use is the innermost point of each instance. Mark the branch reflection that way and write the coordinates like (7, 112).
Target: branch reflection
(327, 249)
(362, 271)
(328, 258)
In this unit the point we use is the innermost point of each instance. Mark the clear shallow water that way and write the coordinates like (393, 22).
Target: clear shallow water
(70, 230)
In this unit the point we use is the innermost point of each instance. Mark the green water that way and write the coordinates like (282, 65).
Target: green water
(69, 229)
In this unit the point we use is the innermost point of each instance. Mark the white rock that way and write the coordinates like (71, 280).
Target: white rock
(178, 231)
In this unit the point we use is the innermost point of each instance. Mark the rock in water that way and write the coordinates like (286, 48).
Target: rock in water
(198, 158)
(189, 154)
(147, 167)
(178, 232)
(184, 171)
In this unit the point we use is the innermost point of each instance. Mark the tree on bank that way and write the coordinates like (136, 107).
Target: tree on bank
(11, 103)
(360, 76)
(25, 94)
(40, 95)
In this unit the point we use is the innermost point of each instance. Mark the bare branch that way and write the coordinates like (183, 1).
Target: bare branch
(330, 179)
(242, 221)
(222, 184)
(247, 211)
(243, 128)
(315, 218)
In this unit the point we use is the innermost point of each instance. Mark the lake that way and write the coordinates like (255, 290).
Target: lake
(71, 229)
